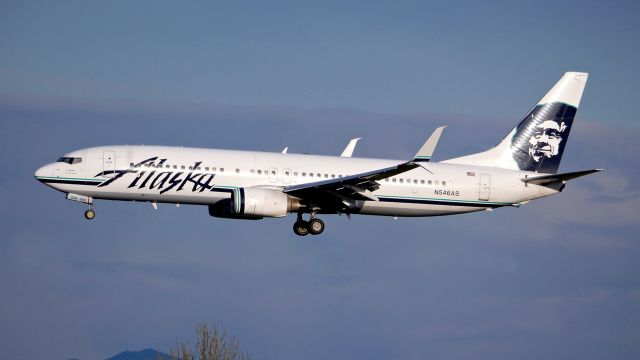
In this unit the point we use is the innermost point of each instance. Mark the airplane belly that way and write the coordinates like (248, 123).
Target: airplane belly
(413, 209)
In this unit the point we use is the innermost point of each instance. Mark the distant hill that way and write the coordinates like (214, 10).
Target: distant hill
(146, 354)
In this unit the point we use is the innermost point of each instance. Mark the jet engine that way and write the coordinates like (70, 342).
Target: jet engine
(254, 204)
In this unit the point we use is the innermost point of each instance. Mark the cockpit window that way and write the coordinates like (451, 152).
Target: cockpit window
(70, 160)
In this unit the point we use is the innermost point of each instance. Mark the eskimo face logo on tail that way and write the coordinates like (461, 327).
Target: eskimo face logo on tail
(546, 139)
(540, 138)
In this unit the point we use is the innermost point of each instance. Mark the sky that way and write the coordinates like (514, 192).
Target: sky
(555, 278)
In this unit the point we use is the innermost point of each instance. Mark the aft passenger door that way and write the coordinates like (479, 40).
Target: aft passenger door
(484, 187)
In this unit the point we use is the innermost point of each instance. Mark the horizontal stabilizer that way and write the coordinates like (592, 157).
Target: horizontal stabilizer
(426, 151)
(556, 178)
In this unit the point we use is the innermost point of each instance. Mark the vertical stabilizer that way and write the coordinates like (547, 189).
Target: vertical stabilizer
(538, 141)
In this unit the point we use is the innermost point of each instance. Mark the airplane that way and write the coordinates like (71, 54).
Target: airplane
(252, 185)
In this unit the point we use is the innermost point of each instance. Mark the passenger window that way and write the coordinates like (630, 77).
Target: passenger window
(422, 182)
(198, 168)
(295, 173)
(167, 166)
(190, 167)
(286, 173)
(333, 176)
(386, 179)
(401, 181)
(319, 175)
(394, 180)
(326, 176)
(252, 171)
(130, 164)
(310, 174)
(437, 182)
(237, 171)
(429, 182)
(175, 166)
(259, 172)
(206, 168)
(415, 181)
(273, 172)
(221, 169)
(444, 183)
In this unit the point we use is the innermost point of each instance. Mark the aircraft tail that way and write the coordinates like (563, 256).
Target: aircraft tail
(538, 141)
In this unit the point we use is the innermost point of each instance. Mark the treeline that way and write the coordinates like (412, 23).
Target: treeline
(210, 344)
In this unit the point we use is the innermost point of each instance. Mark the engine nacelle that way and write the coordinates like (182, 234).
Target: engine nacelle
(254, 204)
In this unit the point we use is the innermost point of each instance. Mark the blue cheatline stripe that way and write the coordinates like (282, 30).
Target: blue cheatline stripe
(72, 181)
(435, 201)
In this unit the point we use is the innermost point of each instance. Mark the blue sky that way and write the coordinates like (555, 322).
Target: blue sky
(410, 56)
(556, 278)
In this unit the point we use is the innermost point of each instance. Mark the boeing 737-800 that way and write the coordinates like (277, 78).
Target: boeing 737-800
(252, 185)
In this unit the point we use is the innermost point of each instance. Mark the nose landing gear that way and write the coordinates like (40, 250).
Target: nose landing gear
(89, 214)
(314, 226)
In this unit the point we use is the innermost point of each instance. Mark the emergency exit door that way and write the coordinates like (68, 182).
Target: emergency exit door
(109, 160)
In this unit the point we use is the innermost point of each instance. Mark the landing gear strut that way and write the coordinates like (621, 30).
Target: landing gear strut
(314, 226)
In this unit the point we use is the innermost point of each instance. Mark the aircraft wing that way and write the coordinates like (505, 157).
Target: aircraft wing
(346, 191)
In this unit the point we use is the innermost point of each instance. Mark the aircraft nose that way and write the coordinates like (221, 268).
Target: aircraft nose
(44, 171)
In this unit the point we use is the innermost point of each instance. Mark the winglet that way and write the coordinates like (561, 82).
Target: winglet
(426, 151)
(284, 151)
(348, 151)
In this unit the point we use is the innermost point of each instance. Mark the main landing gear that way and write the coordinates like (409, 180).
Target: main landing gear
(314, 226)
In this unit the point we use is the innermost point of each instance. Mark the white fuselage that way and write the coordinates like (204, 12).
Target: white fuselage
(172, 177)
